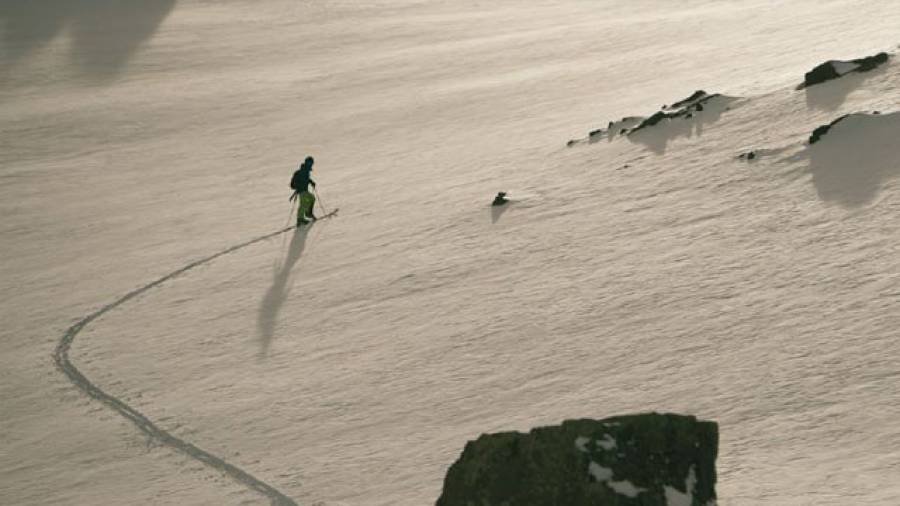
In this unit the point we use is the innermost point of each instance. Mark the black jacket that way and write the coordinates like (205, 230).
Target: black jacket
(301, 180)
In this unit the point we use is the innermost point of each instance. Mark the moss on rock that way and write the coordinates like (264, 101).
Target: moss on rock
(632, 460)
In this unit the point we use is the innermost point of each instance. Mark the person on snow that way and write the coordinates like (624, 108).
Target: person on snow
(300, 184)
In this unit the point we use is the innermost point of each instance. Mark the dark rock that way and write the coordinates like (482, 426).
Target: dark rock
(652, 120)
(691, 99)
(636, 460)
(827, 71)
(571, 143)
(871, 62)
(822, 130)
(751, 155)
(500, 199)
(695, 101)
(820, 74)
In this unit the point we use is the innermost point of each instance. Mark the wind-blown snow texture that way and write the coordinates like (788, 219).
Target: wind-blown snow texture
(348, 365)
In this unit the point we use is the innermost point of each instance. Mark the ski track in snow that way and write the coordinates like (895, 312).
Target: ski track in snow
(61, 356)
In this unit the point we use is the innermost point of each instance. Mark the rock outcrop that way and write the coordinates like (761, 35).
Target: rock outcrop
(682, 108)
(834, 69)
(715, 104)
(823, 129)
(647, 459)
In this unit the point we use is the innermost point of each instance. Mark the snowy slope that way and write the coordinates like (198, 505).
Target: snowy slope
(348, 365)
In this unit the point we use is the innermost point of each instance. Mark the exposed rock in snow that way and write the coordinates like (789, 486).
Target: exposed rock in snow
(823, 129)
(694, 98)
(613, 129)
(834, 69)
(685, 107)
(700, 107)
(688, 119)
(643, 459)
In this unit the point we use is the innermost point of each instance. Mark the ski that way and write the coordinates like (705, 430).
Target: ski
(329, 214)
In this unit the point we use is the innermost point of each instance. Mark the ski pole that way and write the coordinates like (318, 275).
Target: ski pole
(319, 200)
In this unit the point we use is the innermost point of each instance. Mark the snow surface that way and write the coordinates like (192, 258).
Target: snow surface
(349, 364)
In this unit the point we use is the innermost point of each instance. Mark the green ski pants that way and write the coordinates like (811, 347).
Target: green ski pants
(305, 206)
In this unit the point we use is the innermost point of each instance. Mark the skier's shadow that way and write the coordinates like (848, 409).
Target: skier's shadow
(278, 293)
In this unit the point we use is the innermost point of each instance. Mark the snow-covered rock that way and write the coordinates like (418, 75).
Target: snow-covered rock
(647, 459)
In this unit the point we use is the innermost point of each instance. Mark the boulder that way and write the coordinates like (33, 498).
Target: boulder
(834, 69)
(646, 459)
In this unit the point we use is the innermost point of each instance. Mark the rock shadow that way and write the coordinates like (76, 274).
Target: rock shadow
(851, 163)
(104, 33)
(277, 294)
(497, 211)
(830, 95)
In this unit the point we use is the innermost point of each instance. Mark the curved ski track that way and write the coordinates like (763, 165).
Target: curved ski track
(61, 356)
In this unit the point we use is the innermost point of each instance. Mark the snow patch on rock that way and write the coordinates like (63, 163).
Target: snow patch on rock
(675, 497)
(581, 443)
(622, 487)
(607, 443)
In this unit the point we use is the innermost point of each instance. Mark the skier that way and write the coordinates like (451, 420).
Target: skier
(300, 184)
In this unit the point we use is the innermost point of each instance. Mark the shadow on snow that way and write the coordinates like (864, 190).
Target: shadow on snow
(278, 293)
(104, 33)
(852, 162)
